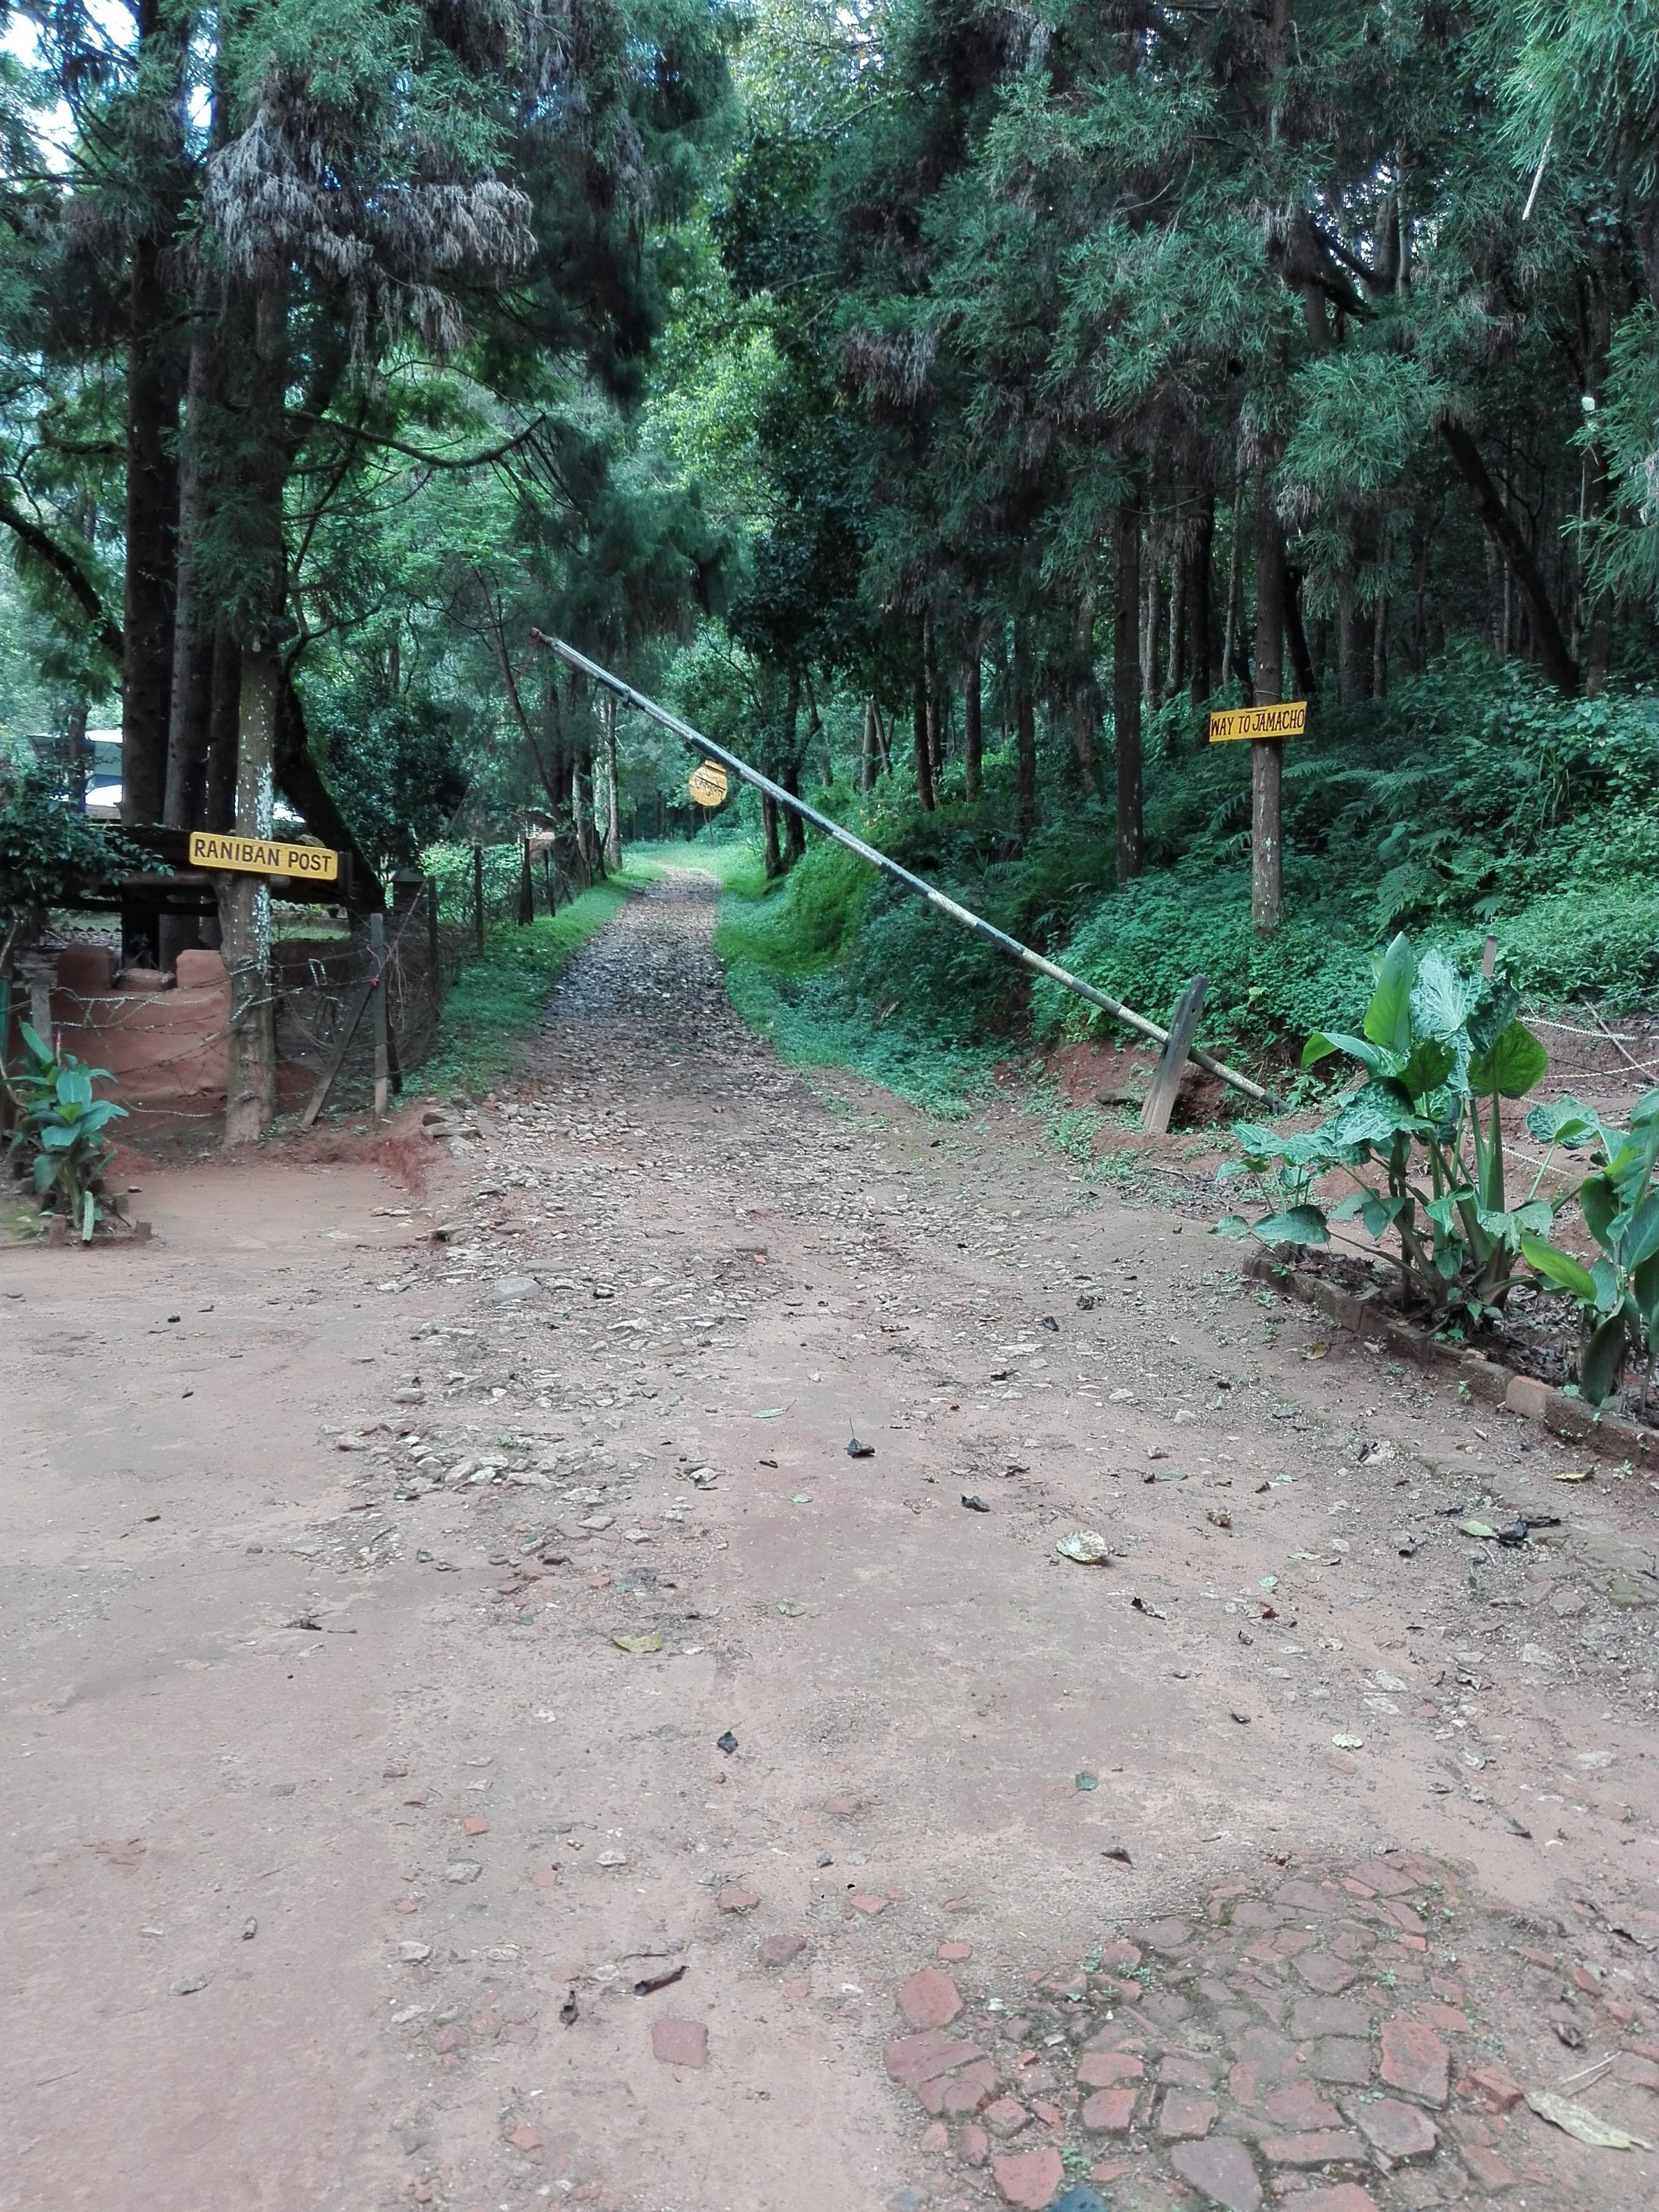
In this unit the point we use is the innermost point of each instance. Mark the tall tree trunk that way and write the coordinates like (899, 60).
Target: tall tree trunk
(1267, 755)
(1201, 614)
(794, 830)
(1025, 780)
(75, 753)
(870, 758)
(973, 734)
(1504, 532)
(245, 901)
(1302, 661)
(1235, 655)
(1153, 586)
(613, 852)
(151, 523)
(1125, 686)
(769, 833)
(1085, 697)
(190, 708)
(245, 910)
(1178, 662)
(219, 799)
(921, 743)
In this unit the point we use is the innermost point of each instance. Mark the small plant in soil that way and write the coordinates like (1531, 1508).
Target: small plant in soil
(58, 1142)
(1438, 1053)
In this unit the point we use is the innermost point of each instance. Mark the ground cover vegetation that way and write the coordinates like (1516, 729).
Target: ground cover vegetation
(944, 404)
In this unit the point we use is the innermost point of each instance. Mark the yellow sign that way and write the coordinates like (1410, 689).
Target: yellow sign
(1287, 721)
(708, 785)
(256, 856)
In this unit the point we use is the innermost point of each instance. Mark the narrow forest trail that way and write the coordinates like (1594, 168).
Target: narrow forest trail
(320, 1529)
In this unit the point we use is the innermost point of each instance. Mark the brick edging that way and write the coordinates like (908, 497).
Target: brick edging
(1610, 1435)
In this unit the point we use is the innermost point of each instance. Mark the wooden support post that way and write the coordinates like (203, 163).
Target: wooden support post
(477, 897)
(1159, 1102)
(526, 888)
(1489, 957)
(377, 1001)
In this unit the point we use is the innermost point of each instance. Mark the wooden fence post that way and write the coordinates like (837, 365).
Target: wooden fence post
(1159, 1102)
(377, 999)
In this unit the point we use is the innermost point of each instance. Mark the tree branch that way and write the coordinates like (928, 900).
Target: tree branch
(69, 573)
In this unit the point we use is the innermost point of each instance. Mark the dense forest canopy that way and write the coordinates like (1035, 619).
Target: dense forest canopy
(946, 399)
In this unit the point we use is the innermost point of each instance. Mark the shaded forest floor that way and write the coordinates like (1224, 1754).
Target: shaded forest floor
(1263, 1863)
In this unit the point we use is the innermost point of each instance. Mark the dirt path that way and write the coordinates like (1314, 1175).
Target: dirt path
(1247, 1866)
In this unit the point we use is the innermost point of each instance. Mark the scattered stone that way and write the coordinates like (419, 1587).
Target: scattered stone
(461, 1870)
(1325, 2147)
(928, 1999)
(680, 2042)
(1106, 2070)
(1184, 2114)
(1109, 2111)
(733, 1900)
(515, 1290)
(1415, 2059)
(1398, 2130)
(779, 1950)
(1006, 2116)
(187, 1984)
(1029, 2179)
(1220, 2169)
(414, 1954)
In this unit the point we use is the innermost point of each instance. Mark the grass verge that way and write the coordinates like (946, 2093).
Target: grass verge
(783, 947)
(500, 996)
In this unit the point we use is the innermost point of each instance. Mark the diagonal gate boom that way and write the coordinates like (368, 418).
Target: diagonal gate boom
(935, 898)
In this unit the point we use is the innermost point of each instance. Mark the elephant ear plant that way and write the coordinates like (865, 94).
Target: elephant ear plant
(1420, 1136)
(1617, 1295)
(58, 1141)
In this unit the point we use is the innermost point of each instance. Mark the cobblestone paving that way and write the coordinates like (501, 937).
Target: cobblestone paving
(1340, 2042)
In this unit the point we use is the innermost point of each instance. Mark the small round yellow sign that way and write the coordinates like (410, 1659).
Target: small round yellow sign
(708, 785)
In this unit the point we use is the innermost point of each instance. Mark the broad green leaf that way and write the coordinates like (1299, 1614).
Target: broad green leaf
(1431, 1061)
(35, 1042)
(1373, 1116)
(1354, 1203)
(1515, 1065)
(1378, 1059)
(1559, 1268)
(1640, 1237)
(1536, 1217)
(75, 1087)
(1382, 1213)
(1232, 1224)
(1644, 1289)
(56, 1138)
(1600, 1201)
(1603, 1364)
(1387, 1018)
(1646, 1110)
(1302, 1225)
(1605, 1276)
(1442, 1001)
(1564, 1121)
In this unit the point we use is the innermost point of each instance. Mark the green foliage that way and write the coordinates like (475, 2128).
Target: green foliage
(781, 946)
(46, 850)
(58, 1142)
(1617, 1298)
(501, 997)
(1439, 1051)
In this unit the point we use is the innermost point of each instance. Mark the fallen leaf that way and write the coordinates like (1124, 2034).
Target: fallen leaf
(1570, 1475)
(648, 1641)
(1582, 2124)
